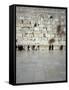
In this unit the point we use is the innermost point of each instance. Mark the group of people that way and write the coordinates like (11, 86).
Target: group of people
(33, 47)
(51, 47)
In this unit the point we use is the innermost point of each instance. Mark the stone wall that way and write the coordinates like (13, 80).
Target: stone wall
(40, 26)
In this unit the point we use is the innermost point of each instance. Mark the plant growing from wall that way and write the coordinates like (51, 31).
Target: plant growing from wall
(51, 41)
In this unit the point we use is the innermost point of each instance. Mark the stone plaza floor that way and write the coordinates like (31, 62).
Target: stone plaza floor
(40, 66)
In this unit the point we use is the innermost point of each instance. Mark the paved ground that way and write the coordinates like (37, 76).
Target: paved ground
(40, 66)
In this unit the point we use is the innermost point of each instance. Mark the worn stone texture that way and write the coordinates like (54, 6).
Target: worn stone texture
(46, 20)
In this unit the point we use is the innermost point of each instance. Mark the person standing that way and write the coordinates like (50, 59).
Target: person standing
(52, 47)
(28, 47)
(49, 47)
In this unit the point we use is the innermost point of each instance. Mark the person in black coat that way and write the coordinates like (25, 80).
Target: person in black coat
(52, 47)
(61, 47)
(28, 47)
(49, 47)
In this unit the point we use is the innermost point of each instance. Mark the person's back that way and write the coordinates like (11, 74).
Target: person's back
(28, 47)
(52, 47)
(49, 47)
